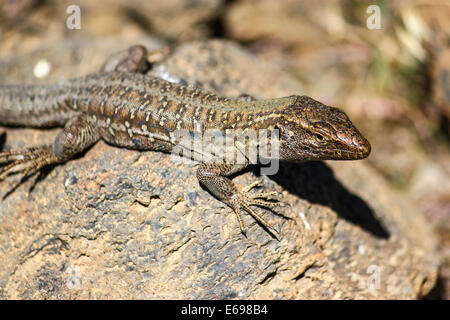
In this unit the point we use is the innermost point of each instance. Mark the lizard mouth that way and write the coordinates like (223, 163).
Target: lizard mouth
(361, 152)
(338, 154)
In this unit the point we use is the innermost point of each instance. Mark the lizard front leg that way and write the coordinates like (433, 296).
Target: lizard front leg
(213, 177)
(77, 135)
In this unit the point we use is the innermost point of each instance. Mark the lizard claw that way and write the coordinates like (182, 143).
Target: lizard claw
(252, 197)
(243, 200)
(28, 161)
(252, 185)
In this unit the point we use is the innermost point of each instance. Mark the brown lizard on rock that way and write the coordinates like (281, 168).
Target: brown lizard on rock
(126, 108)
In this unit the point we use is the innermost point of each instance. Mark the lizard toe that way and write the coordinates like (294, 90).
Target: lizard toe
(27, 161)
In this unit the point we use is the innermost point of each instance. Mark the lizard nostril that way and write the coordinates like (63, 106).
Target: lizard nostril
(363, 145)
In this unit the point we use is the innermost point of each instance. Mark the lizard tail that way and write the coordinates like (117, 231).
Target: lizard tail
(33, 106)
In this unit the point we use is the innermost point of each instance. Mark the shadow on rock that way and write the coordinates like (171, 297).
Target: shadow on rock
(315, 182)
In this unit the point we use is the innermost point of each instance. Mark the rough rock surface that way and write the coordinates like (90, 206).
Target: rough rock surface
(116, 223)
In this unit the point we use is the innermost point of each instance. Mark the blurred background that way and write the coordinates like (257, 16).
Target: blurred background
(393, 80)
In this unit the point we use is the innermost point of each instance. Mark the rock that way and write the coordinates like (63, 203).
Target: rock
(72, 58)
(440, 74)
(30, 24)
(117, 223)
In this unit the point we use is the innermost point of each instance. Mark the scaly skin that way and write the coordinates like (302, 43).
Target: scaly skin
(129, 109)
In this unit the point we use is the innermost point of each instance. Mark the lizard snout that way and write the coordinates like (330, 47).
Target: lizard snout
(363, 146)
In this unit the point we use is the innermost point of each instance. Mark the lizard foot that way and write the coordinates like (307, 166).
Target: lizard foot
(133, 59)
(28, 161)
(244, 199)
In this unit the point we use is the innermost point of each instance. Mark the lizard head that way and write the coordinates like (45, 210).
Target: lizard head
(310, 130)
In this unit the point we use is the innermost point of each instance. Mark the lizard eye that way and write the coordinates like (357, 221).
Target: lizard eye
(319, 137)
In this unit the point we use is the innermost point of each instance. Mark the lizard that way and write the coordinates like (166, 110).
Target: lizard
(126, 108)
